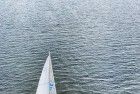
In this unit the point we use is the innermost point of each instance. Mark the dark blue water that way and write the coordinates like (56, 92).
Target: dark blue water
(95, 45)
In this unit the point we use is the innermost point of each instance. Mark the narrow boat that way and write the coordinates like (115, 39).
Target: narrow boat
(46, 83)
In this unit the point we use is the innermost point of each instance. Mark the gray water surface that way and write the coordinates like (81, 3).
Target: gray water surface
(95, 45)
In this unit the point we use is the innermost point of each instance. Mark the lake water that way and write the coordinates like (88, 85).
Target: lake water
(95, 45)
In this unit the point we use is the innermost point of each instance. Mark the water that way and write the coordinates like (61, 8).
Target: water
(95, 45)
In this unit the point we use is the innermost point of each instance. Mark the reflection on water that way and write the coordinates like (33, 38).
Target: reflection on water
(95, 45)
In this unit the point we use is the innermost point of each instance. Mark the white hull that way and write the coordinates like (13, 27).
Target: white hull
(46, 83)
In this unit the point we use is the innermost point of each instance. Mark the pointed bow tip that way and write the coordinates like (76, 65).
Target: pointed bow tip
(49, 53)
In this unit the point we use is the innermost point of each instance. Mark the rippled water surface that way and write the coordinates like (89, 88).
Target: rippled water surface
(95, 45)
